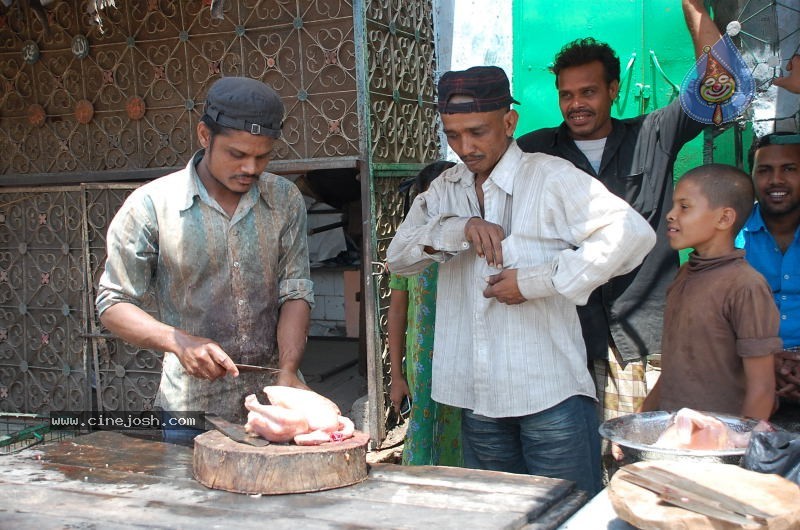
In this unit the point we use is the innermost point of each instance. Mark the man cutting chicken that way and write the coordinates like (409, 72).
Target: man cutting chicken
(222, 245)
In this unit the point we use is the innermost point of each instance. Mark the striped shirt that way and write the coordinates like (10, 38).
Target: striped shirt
(567, 235)
(212, 275)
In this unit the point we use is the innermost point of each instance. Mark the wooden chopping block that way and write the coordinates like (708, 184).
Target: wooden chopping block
(221, 463)
(771, 493)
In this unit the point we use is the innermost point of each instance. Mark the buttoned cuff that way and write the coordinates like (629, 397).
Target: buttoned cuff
(536, 282)
(449, 238)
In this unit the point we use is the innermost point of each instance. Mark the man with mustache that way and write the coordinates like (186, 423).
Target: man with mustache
(520, 239)
(222, 246)
(771, 239)
(634, 158)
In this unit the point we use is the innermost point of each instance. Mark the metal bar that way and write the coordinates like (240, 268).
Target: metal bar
(90, 359)
(325, 228)
(675, 88)
(369, 289)
(399, 169)
(97, 336)
(142, 174)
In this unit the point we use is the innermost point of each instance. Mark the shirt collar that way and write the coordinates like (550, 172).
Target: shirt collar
(755, 222)
(502, 174)
(193, 187)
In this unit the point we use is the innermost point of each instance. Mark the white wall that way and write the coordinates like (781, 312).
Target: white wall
(473, 33)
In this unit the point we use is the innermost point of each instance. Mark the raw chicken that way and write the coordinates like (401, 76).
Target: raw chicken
(692, 430)
(320, 412)
(303, 416)
(276, 424)
(345, 430)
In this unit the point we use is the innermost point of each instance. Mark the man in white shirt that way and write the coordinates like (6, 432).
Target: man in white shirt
(522, 239)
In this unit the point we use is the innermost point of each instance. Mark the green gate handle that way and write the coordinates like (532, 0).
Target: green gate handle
(675, 88)
(622, 79)
(627, 68)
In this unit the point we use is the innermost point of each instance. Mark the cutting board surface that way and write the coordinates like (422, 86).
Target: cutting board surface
(770, 493)
(222, 463)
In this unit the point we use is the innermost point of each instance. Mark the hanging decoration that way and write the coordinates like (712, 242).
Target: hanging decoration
(719, 87)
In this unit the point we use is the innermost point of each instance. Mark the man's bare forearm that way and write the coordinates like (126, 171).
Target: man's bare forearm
(135, 326)
(293, 323)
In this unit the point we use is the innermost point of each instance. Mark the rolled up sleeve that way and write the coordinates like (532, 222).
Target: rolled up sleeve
(607, 238)
(425, 226)
(132, 256)
(295, 276)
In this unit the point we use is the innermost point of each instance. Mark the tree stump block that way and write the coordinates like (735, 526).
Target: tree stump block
(221, 463)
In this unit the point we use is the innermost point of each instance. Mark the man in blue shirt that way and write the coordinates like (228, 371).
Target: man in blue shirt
(772, 242)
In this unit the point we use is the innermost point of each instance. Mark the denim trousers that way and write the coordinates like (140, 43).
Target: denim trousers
(175, 434)
(560, 442)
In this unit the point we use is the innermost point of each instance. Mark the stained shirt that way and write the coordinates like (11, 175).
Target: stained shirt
(213, 275)
(781, 270)
(719, 312)
(637, 165)
(566, 235)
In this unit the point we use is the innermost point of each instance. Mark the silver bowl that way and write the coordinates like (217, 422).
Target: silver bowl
(636, 434)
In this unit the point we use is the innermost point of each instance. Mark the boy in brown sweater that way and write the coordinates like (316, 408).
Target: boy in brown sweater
(720, 322)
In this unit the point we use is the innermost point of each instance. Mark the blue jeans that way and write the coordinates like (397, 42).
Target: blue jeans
(177, 435)
(560, 442)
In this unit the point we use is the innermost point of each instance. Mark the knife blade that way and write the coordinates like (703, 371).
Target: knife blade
(254, 368)
(720, 499)
(718, 506)
(235, 432)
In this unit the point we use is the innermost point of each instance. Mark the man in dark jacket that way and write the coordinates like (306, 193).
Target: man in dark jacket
(634, 158)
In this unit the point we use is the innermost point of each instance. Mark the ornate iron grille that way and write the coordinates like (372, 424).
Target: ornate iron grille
(126, 377)
(401, 74)
(357, 79)
(78, 100)
(388, 215)
(402, 138)
(43, 364)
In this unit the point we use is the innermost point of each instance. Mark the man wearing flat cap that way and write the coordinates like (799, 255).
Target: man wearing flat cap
(521, 240)
(222, 246)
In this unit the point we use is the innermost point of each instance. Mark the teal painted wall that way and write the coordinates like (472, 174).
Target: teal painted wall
(643, 33)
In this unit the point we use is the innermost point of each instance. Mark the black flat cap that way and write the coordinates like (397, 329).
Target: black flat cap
(245, 104)
(486, 85)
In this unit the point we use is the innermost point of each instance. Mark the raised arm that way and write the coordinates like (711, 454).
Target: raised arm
(701, 27)
(791, 81)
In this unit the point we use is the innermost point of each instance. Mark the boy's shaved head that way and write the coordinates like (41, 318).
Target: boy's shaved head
(725, 187)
